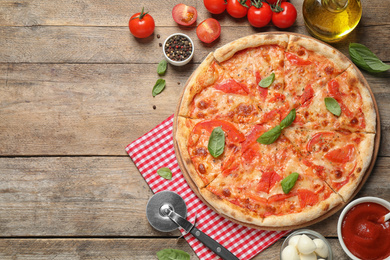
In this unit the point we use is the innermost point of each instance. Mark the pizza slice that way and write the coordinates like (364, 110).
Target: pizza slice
(251, 190)
(258, 62)
(346, 94)
(308, 66)
(340, 158)
(192, 137)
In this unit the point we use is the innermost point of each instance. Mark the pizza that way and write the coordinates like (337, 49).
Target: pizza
(275, 130)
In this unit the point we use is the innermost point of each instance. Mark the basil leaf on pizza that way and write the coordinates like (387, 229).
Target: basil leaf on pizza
(216, 142)
(158, 87)
(165, 172)
(333, 106)
(162, 67)
(172, 254)
(288, 119)
(266, 82)
(270, 136)
(365, 59)
(289, 182)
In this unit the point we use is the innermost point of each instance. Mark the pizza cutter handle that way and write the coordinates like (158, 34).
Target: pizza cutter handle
(202, 237)
(213, 245)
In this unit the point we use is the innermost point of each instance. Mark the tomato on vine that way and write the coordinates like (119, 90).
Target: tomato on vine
(215, 6)
(141, 24)
(284, 15)
(259, 14)
(237, 8)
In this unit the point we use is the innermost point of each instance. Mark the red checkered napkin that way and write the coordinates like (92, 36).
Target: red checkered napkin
(155, 150)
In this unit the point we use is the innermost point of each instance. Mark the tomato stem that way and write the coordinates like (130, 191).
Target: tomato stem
(243, 3)
(277, 8)
(257, 4)
(141, 15)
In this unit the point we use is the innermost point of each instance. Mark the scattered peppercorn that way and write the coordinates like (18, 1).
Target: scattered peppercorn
(158, 36)
(178, 48)
(154, 107)
(160, 44)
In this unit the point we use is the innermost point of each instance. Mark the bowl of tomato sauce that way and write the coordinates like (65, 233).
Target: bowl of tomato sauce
(361, 233)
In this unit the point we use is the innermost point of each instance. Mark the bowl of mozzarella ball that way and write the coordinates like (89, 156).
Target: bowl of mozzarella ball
(305, 244)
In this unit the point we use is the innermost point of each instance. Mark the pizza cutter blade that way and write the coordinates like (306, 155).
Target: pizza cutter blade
(167, 211)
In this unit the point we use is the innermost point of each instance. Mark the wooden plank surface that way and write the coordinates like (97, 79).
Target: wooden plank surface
(98, 196)
(97, 109)
(140, 249)
(118, 12)
(75, 44)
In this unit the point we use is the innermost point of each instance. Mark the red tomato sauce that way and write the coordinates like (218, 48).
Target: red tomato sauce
(363, 235)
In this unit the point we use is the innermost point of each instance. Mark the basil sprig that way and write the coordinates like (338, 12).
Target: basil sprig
(333, 106)
(165, 173)
(272, 135)
(158, 87)
(162, 67)
(289, 182)
(216, 142)
(266, 82)
(172, 254)
(365, 59)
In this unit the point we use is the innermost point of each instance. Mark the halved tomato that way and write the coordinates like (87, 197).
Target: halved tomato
(184, 14)
(208, 30)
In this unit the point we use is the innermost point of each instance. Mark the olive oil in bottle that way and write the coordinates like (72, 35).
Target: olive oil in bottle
(331, 20)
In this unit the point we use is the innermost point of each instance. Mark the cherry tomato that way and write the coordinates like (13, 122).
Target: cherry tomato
(208, 30)
(184, 14)
(215, 6)
(286, 17)
(259, 16)
(141, 24)
(237, 8)
(274, 2)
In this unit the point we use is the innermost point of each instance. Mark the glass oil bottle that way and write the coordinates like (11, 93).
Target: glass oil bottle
(331, 20)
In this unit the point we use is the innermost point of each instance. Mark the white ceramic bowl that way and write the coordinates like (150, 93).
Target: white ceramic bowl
(379, 201)
(313, 235)
(179, 63)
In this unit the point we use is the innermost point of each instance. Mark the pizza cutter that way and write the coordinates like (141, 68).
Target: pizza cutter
(167, 211)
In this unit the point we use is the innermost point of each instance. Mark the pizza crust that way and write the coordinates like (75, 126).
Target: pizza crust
(228, 50)
(202, 77)
(365, 149)
(339, 60)
(182, 134)
(368, 103)
(230, 210)
(306, 215)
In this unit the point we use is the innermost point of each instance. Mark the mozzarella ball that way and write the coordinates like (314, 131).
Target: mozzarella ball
(290, 253)
(294, 240)
(306, 245)
(311, 256)
(322, 249)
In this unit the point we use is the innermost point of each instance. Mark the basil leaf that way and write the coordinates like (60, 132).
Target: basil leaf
(216, 142)
(172, 254)
(333, 106)
(162, 67)
(266, 82)
(365, 59)
(158, 87)
(270, 136)
(165, 173)
(289, 182)
(288, 119)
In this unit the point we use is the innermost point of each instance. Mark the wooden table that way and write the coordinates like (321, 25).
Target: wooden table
(75, 89)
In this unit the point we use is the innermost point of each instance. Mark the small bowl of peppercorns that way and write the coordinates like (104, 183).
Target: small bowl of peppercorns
(178, 49)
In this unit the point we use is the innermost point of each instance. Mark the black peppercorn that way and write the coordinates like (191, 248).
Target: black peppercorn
(178, 48)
